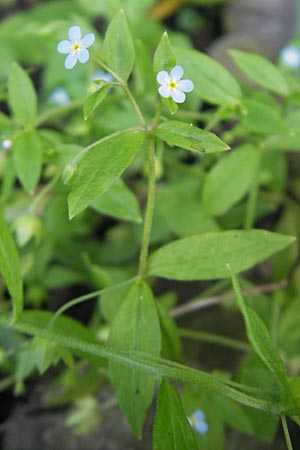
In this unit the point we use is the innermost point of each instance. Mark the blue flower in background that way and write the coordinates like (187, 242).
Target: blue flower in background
(290, 56)
(197, 421)
(76, 47)
(59, 97)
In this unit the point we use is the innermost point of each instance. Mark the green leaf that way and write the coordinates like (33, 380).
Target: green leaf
(212, 81)
(22, 96)
(100, 166)
(136, 327)
(164, 59)
(119, 202)
(118, 48)
(260, 70)
(261, 118)
(259, 336)
(10, 267)
(94, 100)
(171, 427)
(28, 159)
(171, 344)
(230, 179)
(187, 136)
(204, 257)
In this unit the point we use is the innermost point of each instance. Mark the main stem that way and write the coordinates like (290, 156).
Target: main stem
(149, 207)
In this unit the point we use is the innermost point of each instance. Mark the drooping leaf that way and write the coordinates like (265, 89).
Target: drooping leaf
(101, 166)
(118, 47)
(171, 427)
(22, 96)
(212, 81)
(259, 336)
(230, 179)
(260, 70)
(118, 202)
(28, 158)
(135, 328)
(188, 136)
(94, 100)
(10, 267)
(204, 257)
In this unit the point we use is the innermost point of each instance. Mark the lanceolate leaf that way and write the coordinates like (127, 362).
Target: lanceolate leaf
(259, 337)
(94, 100)
(171, 427)
(10, 267)
(212, 81)
(118, 202)
(100, 167)
(22, 96)
(230, 179)
(205, 256)
(189, 137)
(28, 158)
(260, 70)
(118, 47)
(135, 328)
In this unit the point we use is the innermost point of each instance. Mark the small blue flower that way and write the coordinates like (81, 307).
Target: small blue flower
(59, 97)
(197, 421)
(76, 47)
(172, 85)
(6, 144)
(101, 75)
(290, 57)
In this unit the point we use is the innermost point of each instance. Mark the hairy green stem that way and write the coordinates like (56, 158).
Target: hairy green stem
(286, 432)
(149, 208)
(43, 192)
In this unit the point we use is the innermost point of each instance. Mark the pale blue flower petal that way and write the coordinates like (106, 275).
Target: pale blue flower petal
(198, 415)
(88, 40)
(176, 73)
(201, 427)
(177, 96)
(185, 85)
(64, 47)
(163, 77)
(164, 91)
(59, 97)
(83, 55)
(71, 60)
(290, 56)
(75, 33)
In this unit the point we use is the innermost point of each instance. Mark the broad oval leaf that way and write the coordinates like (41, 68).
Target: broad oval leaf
(135, 328)
(171, 427)
(189, 137)
(229, 180)
(119, 202)
(260, 70)
(100, 167)
(10, 267)
(212, 81)
(28, 158)
(118, 47)
(206, 256)
(261, 118)
(22, 96)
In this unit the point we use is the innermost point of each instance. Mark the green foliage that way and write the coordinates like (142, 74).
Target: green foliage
(180, 260)
(200, 196)
(171, 427)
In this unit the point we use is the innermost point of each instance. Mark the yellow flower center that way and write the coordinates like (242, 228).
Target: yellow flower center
(172, 84)
(76, 46)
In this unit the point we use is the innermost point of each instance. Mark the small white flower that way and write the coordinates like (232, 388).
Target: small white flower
(6, 144)
(290, 56)
(172, 85)
(76, 46)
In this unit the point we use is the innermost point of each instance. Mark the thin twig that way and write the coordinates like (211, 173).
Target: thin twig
(202, 303)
